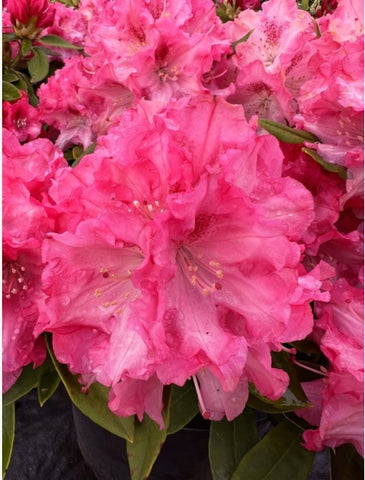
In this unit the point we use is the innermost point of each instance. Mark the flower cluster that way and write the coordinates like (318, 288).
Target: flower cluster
(213, 217)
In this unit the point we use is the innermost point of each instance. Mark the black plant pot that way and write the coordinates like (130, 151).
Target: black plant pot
(184, 455)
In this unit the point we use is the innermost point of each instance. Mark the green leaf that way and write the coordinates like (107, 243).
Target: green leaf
(8, 435)
(10, 92)
(25, 84)
(94, 403)
(229, 442)
(25, 383)
(9, 37)
(38, 66)
(147, 442)
(146, 446)
(330, 167)
(183, 406)
(286, 134)
(56, 41)
(346, 464)
(48, 381)
(279, 455)
(80, 153)
(241, 40)
(10, 77)
(26, 46)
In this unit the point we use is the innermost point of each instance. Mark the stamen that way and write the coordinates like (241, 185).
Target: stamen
(200, 273)
(292, 351)
(202, 407)
(146, 209)
(323, 371)
(13, 279)
(85, 388)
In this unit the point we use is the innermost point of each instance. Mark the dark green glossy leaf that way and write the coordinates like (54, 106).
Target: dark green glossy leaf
(278, 456)
(26, 46)
(10, 77)
(10, 92)
(329, 167)
(94, 403)
(286, 134)
(229, 442)
(56, 41)
(183, 406)
(346, 464)
(48, 381)
(8, 435)
(25, 84)
(38, 66)
(25, 383)
(147, 444)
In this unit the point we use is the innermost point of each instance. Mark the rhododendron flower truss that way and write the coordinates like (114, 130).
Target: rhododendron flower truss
(225, 255)
(160, 49)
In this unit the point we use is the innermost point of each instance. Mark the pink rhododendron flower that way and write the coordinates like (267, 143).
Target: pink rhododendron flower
(215, 403)
(22, 119)
(68, 24)
(157, 49)
(22, 265)
(346, 23)
(313, 391)
(27, 174)
(79, 104)
(327, 190)
(138, 397)
(342, 418)
(262, 94)
(35, 162)
(342, 322)
(277, 31)
(149, 254)
(96, 315)
(331, 101)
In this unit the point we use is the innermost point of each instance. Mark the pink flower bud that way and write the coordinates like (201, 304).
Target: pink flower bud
(30, 16)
